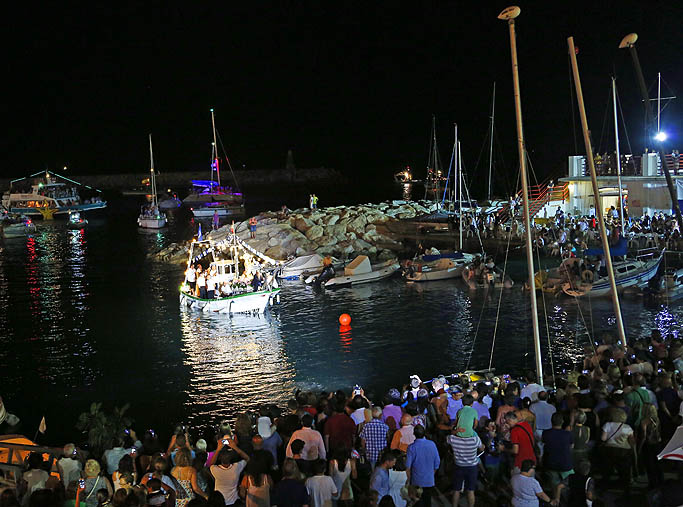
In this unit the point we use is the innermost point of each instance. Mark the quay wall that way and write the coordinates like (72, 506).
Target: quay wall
(181, 180)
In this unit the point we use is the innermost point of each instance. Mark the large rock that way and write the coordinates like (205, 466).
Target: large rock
(326, 241)
(336, 230)
(303, 224)
(314, 232)
(385, 255)
(330, 220)
(357, 225)
(277, 252)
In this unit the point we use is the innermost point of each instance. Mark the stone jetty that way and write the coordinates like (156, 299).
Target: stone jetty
(341, 231)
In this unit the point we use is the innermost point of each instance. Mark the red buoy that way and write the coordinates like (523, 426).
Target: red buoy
(345, 319)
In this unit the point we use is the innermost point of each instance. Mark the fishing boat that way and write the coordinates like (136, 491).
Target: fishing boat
(18, 227)
(208, 197)
(47, 194)
(234, 265)
(150, 216)
(359, 271)
(483, 275)
(427, 268)
(76, 221)
(628, 273)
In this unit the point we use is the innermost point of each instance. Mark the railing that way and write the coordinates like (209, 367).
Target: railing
(12, 455)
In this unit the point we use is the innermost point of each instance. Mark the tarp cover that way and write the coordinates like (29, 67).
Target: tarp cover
(360, 265)
(618, 250)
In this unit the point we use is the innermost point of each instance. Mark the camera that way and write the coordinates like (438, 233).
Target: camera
(356, 390)
(225, 442)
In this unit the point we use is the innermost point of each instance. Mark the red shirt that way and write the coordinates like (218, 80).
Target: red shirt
(341, 430)
(525, 441)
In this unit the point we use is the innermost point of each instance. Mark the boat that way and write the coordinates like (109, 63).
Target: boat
(170, 202)
(150, 216)
(305, 266)
(234, 264)
(46, 194)
(76, 221)
(427, 268)
(18, 227)
(359, 271)
(628, 273)
(405, 176)
(480, 275)
(208, 197)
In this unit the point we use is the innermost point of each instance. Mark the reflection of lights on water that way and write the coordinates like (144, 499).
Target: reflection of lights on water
(666, 322)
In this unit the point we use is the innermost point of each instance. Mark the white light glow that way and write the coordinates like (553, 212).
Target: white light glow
(661, 136)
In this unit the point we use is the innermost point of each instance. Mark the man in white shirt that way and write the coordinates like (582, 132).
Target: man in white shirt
(227, 473)
(69, 467)
(543, 412)
(531, 389)
(314, 447)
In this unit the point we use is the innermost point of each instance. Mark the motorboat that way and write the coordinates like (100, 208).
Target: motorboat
(76, 221)
(233, 265)
(483, 275)
(170, 202)
(305, 266)
(47, 194)
(359, 271)
(627, 273)
(427, 268)
(18, 227)
(151, 217)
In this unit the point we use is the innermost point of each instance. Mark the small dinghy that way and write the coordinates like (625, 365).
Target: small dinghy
(480, 275)
(436, 267)
(357, 272)
(76, 221)
(19, 227)
(305, 266)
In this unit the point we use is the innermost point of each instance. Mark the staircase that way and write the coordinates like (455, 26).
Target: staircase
(539, 196)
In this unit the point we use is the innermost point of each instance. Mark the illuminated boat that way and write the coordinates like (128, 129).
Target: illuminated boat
(18, 227)
(76, 221)
(234, 264)
(150, 216)
(47, 194)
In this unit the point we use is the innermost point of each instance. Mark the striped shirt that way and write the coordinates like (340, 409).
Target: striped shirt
(465, 450)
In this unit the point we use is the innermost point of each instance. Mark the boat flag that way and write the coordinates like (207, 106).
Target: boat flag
(199, 233)
(43, 426)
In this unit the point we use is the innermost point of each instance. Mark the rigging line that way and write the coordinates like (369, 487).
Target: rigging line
(545, 312)
(476, 333)
(571, 95)
(604, 119)
(227, 159)
(474, 213)
(481, 152)
(623, 121)
(500, 299)
(578, 306)
(448, 179)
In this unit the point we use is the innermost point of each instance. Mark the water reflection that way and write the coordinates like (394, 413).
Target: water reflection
(235, 363)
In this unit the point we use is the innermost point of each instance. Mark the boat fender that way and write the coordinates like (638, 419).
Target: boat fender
(587, 276)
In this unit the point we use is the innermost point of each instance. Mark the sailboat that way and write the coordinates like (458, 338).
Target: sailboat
(208, 196)
(435, 178)
(150, 216)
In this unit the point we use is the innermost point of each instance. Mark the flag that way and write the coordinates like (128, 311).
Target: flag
(199, 233)
(43, 426)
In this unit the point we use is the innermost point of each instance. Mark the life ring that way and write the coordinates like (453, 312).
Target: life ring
(587, 276)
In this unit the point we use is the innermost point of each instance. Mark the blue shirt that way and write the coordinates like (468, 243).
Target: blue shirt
(422, 460)
(272, 444)
(380, 481)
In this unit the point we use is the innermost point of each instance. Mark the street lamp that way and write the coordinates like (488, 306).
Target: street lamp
(661, 136)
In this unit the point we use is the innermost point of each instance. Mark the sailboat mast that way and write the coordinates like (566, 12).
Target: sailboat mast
(596, 192)
(460, 191)
(659, 100)
(151, 173)
(215, 151)
(509, 15)
(493, 117)
(618, 154)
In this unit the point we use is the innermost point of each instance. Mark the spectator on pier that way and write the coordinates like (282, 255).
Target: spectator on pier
(374, 436)
(422, 463)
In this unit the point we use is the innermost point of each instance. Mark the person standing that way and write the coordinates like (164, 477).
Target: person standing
(252, 227)
(526, 490)
(374, 436)
(201, 282)
(522, 440)
(315, 201)
(465, 450)
(191, 277)
(422, 463)
(314, 448)
(216, 220)
(380, 476)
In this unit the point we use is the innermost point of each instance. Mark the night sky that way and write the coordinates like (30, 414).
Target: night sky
(351, 86)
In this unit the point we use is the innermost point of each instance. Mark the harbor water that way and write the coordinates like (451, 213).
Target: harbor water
(86, 317)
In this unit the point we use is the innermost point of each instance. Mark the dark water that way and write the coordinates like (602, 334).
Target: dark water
(84, 317)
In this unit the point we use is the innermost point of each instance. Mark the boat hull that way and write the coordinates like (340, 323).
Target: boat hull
(223, 211)
(373, 276)
(77, 225)
(152, 223)
(18, 231)
(602, 287)
(170, 204)
(251, 302)
(61, 210)
(437, 274)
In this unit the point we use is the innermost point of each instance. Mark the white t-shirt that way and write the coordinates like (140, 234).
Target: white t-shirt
(227, 480)
(71, 470)
(531, 391)
(621, 433)
(201, 280)
(321, 489)
(358, 416)
(191, 275)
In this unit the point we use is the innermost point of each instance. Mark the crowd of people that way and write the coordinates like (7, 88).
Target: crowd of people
(206, 283)
(587, 437)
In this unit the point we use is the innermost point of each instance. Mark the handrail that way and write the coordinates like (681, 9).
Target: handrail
(14, 462)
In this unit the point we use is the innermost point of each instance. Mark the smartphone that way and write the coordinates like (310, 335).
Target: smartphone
(611, 360)
(133, 450)
(585, 372)
(225, 442)
(81, 483)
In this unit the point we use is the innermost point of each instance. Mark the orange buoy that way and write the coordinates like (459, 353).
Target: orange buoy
(345, 319)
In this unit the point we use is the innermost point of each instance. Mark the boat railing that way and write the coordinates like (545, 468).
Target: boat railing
(12, 455)
(646, 253)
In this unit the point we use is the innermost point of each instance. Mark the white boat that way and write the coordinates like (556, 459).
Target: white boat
(47, 194)
(305, 266)
(631, 272)
(669, 286)
(480, 275)
(437, 267)
(233, 262)
(208, 196)
(360, 271)
(76, 221)
(150, 216)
